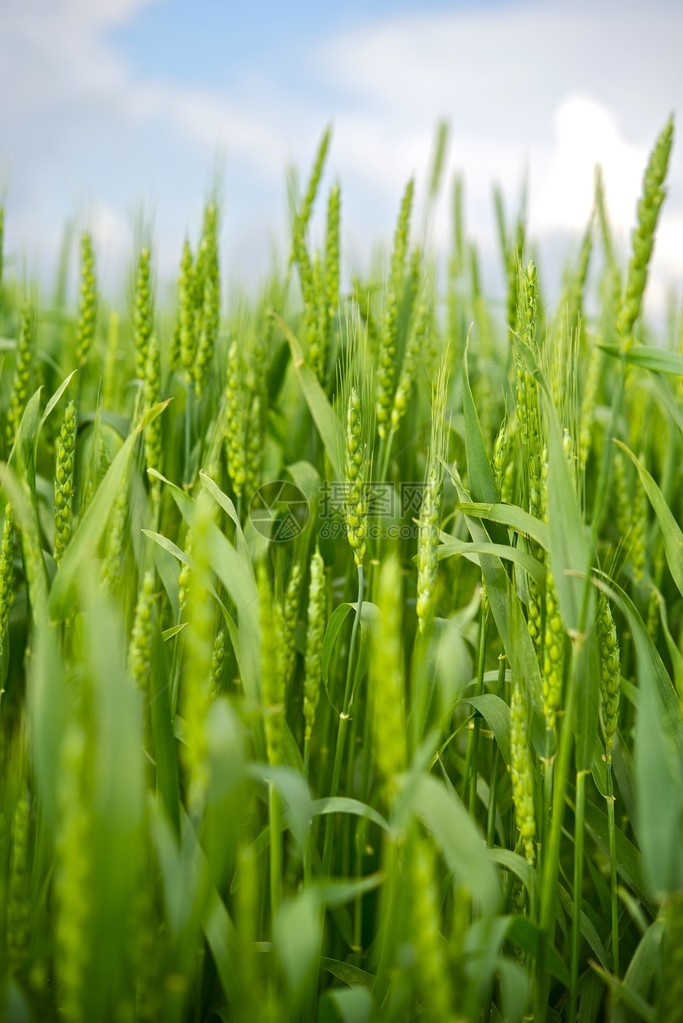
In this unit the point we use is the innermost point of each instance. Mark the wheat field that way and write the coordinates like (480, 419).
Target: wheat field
(341, 629)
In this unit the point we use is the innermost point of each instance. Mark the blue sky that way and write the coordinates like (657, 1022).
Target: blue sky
(116, 106)
(214, 43)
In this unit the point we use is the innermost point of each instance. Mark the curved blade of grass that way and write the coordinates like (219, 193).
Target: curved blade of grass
(228, 507)
(294, 791)
(180, 496)
(512, 516)
(236, 574)
(322, 412)
(643, 966)
(23, 501)
(586, 926)
(221, 937)
(496, 713)
(335, 891)
(54, 400)
(459, 548)
(23, 453)
(368, 621)
(671, 531)
(170, 548)
(232, 564)
(344, 804)
(82, 548)
(508, 616)
(659, 360)
(569, 549)
(307, 479)
(621, 990)
(479, 473)
(289, 751)
(457, 837)
(517, 865)
(591, 996)
(347, 973)
(669, 401)
(173, 631)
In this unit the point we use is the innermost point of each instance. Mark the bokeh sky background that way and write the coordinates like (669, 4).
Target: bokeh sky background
(107, 106)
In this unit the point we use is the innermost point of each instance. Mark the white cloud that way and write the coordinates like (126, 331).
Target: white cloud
(586, 133)
(95, 12)
(555, 88)
(112, 233)
(55, 60)
(506, 66)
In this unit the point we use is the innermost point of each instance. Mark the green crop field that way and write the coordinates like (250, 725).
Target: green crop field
(341, 630)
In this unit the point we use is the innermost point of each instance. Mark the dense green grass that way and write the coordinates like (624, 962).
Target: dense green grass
(413, 752)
